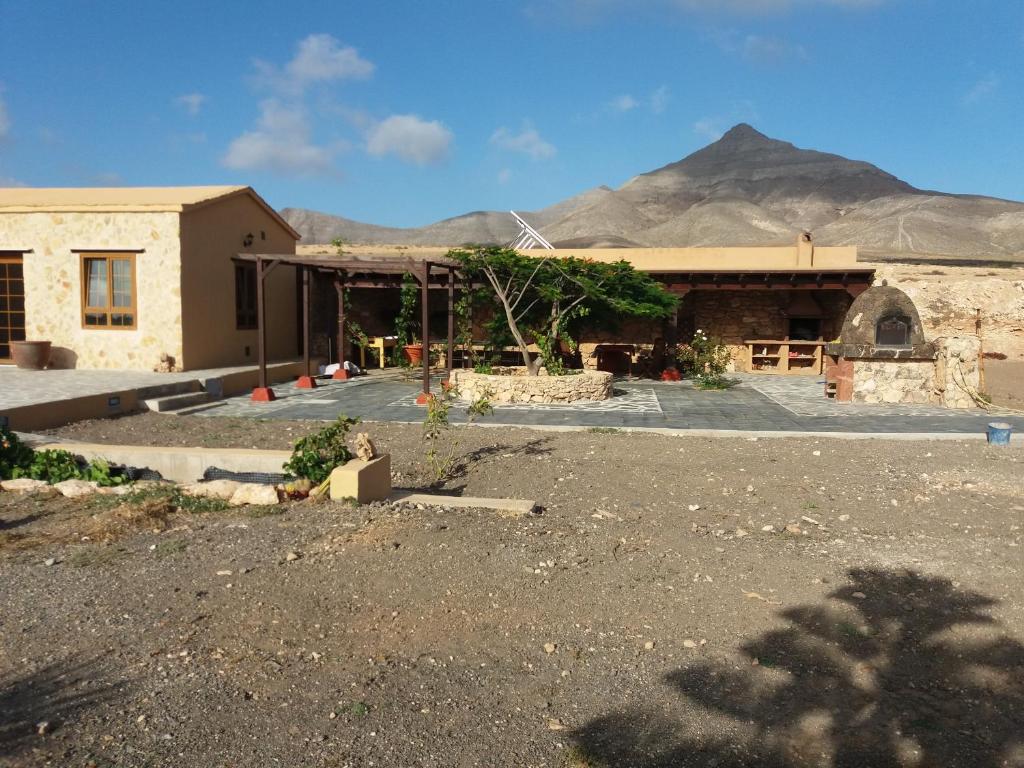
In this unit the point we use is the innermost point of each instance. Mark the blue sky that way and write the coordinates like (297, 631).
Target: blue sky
(402, 113)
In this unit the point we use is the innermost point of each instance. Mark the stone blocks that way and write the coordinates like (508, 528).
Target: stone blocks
(364, 481)
(516, 387)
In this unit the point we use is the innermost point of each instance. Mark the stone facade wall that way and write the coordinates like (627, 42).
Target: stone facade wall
(53, 284)
(518, 388)
(957, 373)
(733, 316)
(948, 380)
(894, 381)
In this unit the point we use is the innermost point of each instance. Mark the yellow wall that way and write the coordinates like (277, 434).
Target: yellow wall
(211, 236)
(53, 284)
(752, 258)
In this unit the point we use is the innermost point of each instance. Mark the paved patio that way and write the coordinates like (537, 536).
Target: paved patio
(20, 387)
(755, 403)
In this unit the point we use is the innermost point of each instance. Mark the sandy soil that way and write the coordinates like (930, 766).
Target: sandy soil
(679, 601)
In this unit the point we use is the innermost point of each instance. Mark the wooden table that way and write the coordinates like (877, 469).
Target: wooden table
(380, 343)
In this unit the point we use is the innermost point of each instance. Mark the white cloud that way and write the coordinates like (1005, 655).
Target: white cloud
(624, 103)
(985, 87)
(281, 142)
(659, 99)
(410, 138)
(592, 10)
(10, 181)
(528, 142)
(504, 176)
(191, 102)
(5, 119)
(319, 58)
(771, 50)
(322, 58)
(709, 128)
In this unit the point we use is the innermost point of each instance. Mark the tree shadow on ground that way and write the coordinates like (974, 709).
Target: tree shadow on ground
(897, 669)
(55, 695)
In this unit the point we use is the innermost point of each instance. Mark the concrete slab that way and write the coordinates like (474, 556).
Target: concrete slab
(182, 465)
(515, 506)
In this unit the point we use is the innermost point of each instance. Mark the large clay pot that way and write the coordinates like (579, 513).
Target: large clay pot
(32, 355)
(413, 353)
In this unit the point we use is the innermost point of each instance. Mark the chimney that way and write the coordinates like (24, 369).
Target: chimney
(805, 250)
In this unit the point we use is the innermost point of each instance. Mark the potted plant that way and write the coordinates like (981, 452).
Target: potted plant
(409, 351)
(414, 351)
(31, 355)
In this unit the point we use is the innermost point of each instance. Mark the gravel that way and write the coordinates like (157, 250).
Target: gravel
(657, 612)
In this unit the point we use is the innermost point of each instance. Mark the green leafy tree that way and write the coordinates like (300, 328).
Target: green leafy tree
(542, 300)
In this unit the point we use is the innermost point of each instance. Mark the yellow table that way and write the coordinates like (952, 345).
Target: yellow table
(380, 343)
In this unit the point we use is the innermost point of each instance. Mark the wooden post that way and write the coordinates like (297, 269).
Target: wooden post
(307, 381)
(451, 320)
(339, 286)
(262, 393)
(425, 395)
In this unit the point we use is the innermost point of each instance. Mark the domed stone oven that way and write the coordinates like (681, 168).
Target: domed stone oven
(882, 356)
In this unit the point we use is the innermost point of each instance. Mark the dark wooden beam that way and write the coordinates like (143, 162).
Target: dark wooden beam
(425, 329)
(451, 321)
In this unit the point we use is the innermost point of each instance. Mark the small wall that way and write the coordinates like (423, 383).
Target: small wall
(519, 388)
(894, 381)
(957, 371)
(948, 380)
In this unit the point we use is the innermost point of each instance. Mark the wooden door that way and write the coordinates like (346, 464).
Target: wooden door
(12, 302)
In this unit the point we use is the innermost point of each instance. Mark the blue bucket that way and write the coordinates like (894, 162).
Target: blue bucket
(999, 433)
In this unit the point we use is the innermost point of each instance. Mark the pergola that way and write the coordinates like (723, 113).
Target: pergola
(352, 272)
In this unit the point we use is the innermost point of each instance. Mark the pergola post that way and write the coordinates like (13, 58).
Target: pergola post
(339, 286)
(307, 381)
(424, 396)
(451, 321)
(262, 393)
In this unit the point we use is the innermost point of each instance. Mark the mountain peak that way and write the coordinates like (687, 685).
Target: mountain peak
(742, 133)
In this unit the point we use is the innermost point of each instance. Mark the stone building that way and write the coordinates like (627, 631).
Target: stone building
(775, 296)
(118, 277)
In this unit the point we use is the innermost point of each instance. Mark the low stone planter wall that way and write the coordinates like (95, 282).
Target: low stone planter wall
(512, 385)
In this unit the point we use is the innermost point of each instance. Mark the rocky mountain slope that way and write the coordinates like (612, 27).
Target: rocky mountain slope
(475, 227)
(744, 189)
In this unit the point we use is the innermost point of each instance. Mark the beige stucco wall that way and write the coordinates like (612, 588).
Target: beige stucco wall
(53, 284)
(732, 258)
(211, 236)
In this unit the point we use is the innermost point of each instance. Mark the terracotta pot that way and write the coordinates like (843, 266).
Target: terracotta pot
(32, 355)
(413, 353)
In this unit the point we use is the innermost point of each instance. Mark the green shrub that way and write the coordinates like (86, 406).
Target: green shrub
(314, 456)
(14, 454)
(51, 467)
(706, 359)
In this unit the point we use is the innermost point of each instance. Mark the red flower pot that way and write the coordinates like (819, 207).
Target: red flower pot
(413, 353)
(670, 374)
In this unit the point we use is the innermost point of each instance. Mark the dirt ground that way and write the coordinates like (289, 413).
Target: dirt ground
(678, 601)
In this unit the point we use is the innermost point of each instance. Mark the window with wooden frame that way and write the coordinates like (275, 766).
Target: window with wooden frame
(109, 291)
(245, 296)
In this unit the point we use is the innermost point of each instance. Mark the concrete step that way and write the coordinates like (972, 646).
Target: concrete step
(176, 402)
(199, 408)
(171, 388)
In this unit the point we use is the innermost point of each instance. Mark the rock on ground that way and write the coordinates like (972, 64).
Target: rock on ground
(254, 493)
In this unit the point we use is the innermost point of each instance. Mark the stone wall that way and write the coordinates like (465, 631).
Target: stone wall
(948, 380)
(957, 374)
(519, 388)
(733, 316)
(53, 284)
(894, 381)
